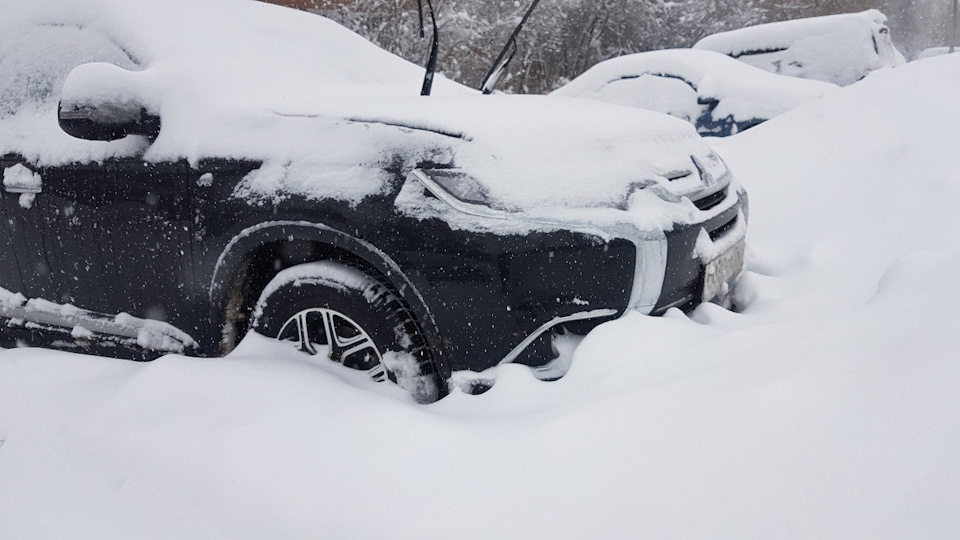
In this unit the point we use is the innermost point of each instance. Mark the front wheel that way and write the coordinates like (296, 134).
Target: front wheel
(352, 318)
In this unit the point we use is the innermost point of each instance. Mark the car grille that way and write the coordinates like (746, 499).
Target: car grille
(718, 233)
(712, 200)
(683, 279)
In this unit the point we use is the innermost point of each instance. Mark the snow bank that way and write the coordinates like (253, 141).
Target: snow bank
(863, 187)
(841, 49)
(742, 91)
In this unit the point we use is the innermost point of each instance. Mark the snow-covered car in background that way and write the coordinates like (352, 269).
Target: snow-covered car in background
(841, 49)
(717, 94)
(179, 173)
(932, 52)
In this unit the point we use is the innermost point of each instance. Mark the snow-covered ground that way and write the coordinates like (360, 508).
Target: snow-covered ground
(830, 407)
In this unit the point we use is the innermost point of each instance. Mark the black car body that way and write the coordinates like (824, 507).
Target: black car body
(128, 247)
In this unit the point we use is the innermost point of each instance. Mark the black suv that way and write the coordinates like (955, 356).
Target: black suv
(169, 222)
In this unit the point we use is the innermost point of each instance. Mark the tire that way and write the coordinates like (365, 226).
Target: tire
(354, 319)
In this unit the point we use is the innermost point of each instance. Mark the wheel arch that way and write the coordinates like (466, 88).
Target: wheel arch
(257, 253)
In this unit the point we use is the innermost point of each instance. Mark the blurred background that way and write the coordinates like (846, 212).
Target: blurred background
(565, 37)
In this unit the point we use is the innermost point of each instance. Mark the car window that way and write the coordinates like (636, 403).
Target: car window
(36, 58)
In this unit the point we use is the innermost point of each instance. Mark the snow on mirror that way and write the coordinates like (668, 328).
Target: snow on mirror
(103, 102)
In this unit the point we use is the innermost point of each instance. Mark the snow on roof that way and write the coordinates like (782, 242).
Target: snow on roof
(935, 51)
(244, 79)
(742, 91)
(836, 48)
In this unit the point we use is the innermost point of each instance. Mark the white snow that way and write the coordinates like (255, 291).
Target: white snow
(11, 299)
(150, 334)
(274, 181)
(828, 408)
(328, 273)
(841, 49)
(323, 109)
(79, 332)
(26, 200)
(67, 311)
(934, 51)
(156, 335)
(19, 179)
(672, 81)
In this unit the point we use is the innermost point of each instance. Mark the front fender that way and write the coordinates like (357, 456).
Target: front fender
(250, 239)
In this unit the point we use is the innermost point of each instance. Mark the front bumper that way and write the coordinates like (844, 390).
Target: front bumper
(495, 297)
(694, 261)
(685, 271)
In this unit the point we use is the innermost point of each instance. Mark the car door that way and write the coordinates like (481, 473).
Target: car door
(25, 264)
(122, 235)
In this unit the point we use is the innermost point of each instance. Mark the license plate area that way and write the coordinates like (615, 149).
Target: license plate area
(719, 272)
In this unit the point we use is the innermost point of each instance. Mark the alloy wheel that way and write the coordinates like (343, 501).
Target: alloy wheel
(345, 340)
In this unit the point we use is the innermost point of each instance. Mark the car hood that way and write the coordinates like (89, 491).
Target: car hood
(528, 151)
(541, 156)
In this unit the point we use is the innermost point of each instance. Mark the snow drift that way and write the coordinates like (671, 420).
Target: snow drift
(827, 408)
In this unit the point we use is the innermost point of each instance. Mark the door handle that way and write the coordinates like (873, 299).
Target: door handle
(20, 179)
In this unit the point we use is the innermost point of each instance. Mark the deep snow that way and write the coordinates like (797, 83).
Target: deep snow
(840, 49)
(828, 408)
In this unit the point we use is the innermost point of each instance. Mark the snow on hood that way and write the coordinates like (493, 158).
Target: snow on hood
(321, 106)
(841, 49)
(536, 151)
(742, 91)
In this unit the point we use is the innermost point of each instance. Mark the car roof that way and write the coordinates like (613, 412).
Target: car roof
(836, 48)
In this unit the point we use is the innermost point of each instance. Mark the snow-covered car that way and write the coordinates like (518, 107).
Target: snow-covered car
(179, 173)
(932, 52)
(717, 94)
(841, 49)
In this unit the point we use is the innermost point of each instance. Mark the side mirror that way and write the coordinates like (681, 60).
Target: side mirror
(107, 121)
(102, 102)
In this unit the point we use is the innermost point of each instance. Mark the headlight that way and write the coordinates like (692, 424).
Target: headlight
(712, 169)
(460, 190)
(744, 204)
(457, 183)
